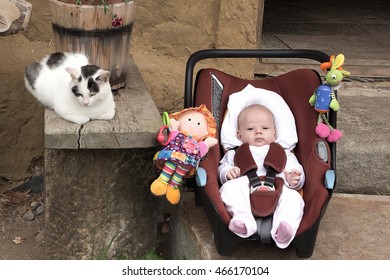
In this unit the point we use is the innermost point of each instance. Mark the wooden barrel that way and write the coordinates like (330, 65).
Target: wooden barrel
(88, 29)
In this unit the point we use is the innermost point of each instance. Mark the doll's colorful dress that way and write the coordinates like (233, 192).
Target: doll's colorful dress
(182, 150)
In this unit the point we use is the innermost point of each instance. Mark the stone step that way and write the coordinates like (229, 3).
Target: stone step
(363, 154)
(353, 227)
(359, 210)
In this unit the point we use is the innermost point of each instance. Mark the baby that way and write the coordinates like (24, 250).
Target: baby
(256, 127)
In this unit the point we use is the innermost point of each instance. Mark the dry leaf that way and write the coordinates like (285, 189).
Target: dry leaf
(165, 226)
(19, 197)
(18, 240)
(4, 200)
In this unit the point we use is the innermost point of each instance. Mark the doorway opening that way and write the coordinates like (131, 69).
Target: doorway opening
(359, 29)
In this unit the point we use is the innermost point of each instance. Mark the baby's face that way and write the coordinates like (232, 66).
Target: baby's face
(256, 126)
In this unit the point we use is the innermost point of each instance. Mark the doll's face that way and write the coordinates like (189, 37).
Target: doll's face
(194, 123)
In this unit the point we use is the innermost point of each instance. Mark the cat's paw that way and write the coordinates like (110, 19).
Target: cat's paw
(107, 116)
(79, 119)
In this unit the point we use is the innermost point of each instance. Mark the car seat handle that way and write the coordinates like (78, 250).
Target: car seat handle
(242, 53)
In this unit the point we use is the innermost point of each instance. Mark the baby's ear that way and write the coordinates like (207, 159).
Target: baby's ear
(238, 135)
(104, 76)
(74, 72)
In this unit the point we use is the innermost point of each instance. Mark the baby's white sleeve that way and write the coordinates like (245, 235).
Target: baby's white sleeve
(226, 163)
(291, 164)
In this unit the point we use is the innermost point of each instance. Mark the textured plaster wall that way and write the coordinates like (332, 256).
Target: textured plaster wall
(165, 33)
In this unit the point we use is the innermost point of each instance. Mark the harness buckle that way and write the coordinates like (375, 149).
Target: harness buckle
(255, 183)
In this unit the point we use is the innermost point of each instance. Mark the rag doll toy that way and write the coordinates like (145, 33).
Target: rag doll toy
(191, 134)
(324, 98)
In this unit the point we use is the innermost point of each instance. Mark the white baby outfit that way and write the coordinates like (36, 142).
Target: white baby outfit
(235, 193)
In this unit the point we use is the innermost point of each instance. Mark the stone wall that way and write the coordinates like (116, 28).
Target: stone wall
(165, 34)
(21, 117)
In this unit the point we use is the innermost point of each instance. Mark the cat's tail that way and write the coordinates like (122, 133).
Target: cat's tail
(31, 74)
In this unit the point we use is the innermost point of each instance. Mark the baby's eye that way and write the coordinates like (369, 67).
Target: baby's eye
(189, 119)
(198, 123)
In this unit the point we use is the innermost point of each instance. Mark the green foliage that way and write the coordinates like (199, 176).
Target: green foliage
(103, 253)
(151, 255)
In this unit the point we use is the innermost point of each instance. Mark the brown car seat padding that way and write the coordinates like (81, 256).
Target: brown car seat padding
(295, 87)
(263, 203)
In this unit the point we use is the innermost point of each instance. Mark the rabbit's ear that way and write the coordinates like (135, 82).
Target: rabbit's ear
(345, 73)
(338, 62)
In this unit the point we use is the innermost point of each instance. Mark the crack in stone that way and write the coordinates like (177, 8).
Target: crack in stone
(79, 138)
(282, 41)
(117, 141)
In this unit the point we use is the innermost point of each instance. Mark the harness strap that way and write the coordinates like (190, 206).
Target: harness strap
(264, 226)
(244, 160)
(274, 163)
(254, 180)
(276, 158)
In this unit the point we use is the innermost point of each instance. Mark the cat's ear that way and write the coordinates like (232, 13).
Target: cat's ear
(104, 76)
(74, 72)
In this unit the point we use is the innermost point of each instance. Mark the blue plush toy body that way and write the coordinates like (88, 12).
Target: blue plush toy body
(323, 98)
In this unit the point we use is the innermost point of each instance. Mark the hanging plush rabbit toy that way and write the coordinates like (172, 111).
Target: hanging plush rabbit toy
(324, 98)
(191, 134)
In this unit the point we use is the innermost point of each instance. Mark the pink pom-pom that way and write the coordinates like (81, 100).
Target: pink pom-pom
(322, 130)
(335, 135)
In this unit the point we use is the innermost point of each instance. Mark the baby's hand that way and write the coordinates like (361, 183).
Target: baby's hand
(292, 177)
(233, 173)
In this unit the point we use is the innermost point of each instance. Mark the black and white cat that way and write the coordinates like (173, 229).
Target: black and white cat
(76, 90)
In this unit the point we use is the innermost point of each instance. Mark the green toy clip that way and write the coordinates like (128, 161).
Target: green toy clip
(162, 138)
(165, 118)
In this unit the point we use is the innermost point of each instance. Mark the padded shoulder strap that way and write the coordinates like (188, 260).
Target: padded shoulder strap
(276, 158)
(244, 160)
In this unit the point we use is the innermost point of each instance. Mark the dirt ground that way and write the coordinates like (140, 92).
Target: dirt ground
(20, 239)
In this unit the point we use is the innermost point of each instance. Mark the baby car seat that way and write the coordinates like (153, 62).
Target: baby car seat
(212, 88)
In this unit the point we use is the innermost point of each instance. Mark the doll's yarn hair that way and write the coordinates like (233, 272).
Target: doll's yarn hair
(211, 124)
